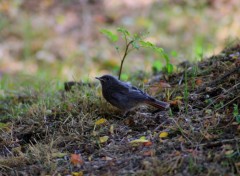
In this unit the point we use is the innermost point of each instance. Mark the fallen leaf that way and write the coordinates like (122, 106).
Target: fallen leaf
(178, 98)
(100, 121)
(140, 140)
(90, 158)
(103, 139)
(76, 159)
(111, 129)
(58, 155)
(199, 82)
(176, 102)
(163, 134)
(77, 173)
(149, 143)
(142, 137)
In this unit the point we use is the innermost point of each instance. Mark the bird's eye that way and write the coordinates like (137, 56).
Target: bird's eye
(107, 78)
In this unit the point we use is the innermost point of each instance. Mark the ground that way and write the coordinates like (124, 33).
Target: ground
(75, 131)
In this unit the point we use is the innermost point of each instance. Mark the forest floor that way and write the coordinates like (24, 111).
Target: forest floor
(77, 132)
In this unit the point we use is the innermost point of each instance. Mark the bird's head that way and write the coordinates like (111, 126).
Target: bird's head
(107, 80)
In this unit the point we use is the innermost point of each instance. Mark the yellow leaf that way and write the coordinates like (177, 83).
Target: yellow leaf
(58, 155)
(100, 121)
(163, 134)
(142, 137)
(77, 173)
(111, 129)
(90, 158)
(103, 139)
(178, 98)
(141, 140)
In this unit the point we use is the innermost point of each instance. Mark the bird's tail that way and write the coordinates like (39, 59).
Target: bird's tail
(158, 104)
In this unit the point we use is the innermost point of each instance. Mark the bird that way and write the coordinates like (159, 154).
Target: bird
(124, 96)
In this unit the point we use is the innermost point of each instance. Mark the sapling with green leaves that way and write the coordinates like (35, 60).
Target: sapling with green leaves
(132, 42)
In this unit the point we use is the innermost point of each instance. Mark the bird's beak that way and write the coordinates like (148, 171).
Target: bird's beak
(99, 78)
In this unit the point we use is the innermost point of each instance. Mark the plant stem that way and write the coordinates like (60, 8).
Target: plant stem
(124, 56)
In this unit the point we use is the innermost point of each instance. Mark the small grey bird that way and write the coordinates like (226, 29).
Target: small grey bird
(125, 96)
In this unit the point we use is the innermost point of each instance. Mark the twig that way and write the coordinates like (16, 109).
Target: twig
(209, 144)
(124, 56)
(228, 91)
(159, 126)
(228, 103)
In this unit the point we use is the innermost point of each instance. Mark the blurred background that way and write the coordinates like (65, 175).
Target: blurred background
(60, 39)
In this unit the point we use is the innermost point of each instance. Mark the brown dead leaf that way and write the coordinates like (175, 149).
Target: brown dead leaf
(149, 143)
(76, 159)
(199, 82)
(176, 102)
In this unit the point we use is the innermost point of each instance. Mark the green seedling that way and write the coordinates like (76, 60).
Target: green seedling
(135, 42)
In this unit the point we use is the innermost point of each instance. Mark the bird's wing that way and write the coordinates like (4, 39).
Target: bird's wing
(131, 92)
(138, 94)
(123, 92)
(134, 92)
